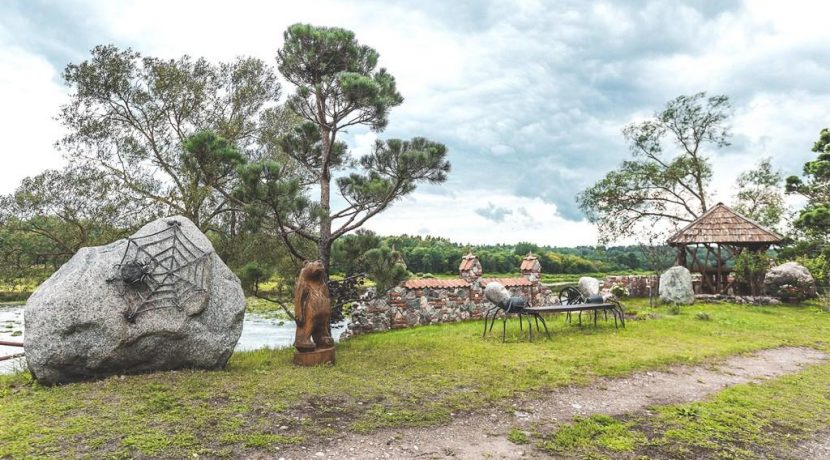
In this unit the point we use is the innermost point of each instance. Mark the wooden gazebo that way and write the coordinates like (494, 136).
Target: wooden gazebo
(710, 242)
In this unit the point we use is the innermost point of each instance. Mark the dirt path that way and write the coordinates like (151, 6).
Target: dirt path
(484, 435)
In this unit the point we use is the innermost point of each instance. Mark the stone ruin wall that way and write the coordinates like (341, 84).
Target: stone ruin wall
(403, 307)
(637, 285)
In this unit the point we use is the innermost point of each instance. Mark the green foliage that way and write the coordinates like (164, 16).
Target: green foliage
(819, 267)
(598, 430)
(517, 436)
(330, 67)
(750, 268)
(130, 115)
(651, 189)
(674, 309)
(252, 274)
(385, 268)
(347, 252)
(338, 86)
(50, 216)
(814, 219)
(703, 316)
(619, 291)
(760, 196)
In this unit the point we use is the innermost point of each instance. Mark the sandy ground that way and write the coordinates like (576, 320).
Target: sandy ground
(484, 434)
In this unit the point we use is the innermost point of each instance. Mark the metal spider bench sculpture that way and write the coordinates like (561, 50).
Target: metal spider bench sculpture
(516, 306)
(573, 301)
(162, 270)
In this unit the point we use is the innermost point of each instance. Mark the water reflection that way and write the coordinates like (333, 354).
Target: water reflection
(257, 332)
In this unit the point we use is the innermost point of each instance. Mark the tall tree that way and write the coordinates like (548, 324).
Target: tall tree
(49, 217)
(129, 115)
(760, 195)
(338, 86)
(814, 219)
(657, 192)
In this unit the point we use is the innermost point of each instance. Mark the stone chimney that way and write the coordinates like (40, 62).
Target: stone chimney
(470, 268)
(531, 268)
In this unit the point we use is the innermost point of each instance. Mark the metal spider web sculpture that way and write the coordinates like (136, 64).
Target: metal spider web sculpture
(162, 270)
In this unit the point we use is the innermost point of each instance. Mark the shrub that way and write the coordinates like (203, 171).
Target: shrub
(703, 316)
(251, 275)
(818, 267)
(619, 291)
(673, 309)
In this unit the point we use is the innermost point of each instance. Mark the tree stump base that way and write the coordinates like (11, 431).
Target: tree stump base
(314, 358)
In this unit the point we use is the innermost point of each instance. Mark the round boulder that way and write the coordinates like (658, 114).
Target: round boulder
(676, 286)
(161, 299)
(589, 287)
(496, 293)
(790, 281)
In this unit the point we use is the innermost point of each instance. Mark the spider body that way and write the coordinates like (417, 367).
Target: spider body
(135, 271)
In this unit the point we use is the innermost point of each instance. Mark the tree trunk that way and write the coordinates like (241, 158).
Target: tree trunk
(324, 244)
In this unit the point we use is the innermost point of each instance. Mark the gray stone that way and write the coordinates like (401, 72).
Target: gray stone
(496, 293)
(790, 281)
(676, 286)
(588, 286)
(77, 323)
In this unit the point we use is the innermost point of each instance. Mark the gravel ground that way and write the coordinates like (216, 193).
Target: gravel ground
(484, 434)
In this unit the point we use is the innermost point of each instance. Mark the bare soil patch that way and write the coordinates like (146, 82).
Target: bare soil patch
(484, 434)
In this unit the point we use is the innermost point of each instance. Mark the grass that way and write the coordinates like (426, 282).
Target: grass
(408, 377)
(742, 422)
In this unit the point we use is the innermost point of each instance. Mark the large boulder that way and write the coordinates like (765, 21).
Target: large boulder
(676, 286)
(496, 293)
(790, 281)
(589, 287)
(161, 299)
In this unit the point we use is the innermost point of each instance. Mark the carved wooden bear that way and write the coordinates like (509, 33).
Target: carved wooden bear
(312, 309)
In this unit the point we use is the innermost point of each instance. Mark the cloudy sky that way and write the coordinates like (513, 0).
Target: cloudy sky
(529, 96)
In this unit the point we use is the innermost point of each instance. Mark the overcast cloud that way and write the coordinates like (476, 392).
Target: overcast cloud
(530, 97)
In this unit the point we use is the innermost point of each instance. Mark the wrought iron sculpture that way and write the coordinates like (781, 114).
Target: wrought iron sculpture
(517, 306)
(162, 270)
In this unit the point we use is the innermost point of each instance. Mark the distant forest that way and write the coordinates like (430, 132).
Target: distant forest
(436, 255)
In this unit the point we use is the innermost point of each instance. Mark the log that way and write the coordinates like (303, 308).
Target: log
(3, 358)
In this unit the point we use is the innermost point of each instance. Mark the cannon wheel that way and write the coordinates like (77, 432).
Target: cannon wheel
(570, 296)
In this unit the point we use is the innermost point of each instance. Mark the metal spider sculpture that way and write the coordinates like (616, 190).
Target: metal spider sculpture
(161, 270)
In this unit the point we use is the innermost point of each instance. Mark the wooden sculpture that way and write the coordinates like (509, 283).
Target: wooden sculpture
(312, 312)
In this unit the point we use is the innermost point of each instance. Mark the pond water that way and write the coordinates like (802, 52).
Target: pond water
(257, 332)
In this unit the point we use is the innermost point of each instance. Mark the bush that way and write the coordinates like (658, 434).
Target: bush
(251, 274)
(703, 316)
(673, 309)
(619, 291)
(818, 267)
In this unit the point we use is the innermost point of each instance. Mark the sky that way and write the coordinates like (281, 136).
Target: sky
(530, 97)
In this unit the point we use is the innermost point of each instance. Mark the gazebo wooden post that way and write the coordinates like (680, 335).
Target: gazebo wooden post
(728, 230)
(681, 255)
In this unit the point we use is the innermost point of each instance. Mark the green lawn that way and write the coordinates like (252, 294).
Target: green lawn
(407, 377)
(743, 422)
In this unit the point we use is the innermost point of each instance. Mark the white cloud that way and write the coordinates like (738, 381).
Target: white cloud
(529, 96)
(526, 219)
(29, 98)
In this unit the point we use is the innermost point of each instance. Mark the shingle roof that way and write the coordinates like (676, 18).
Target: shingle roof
(467, 262)
(720, 224)
(435, 284)
(529, 262)
(506, 282)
